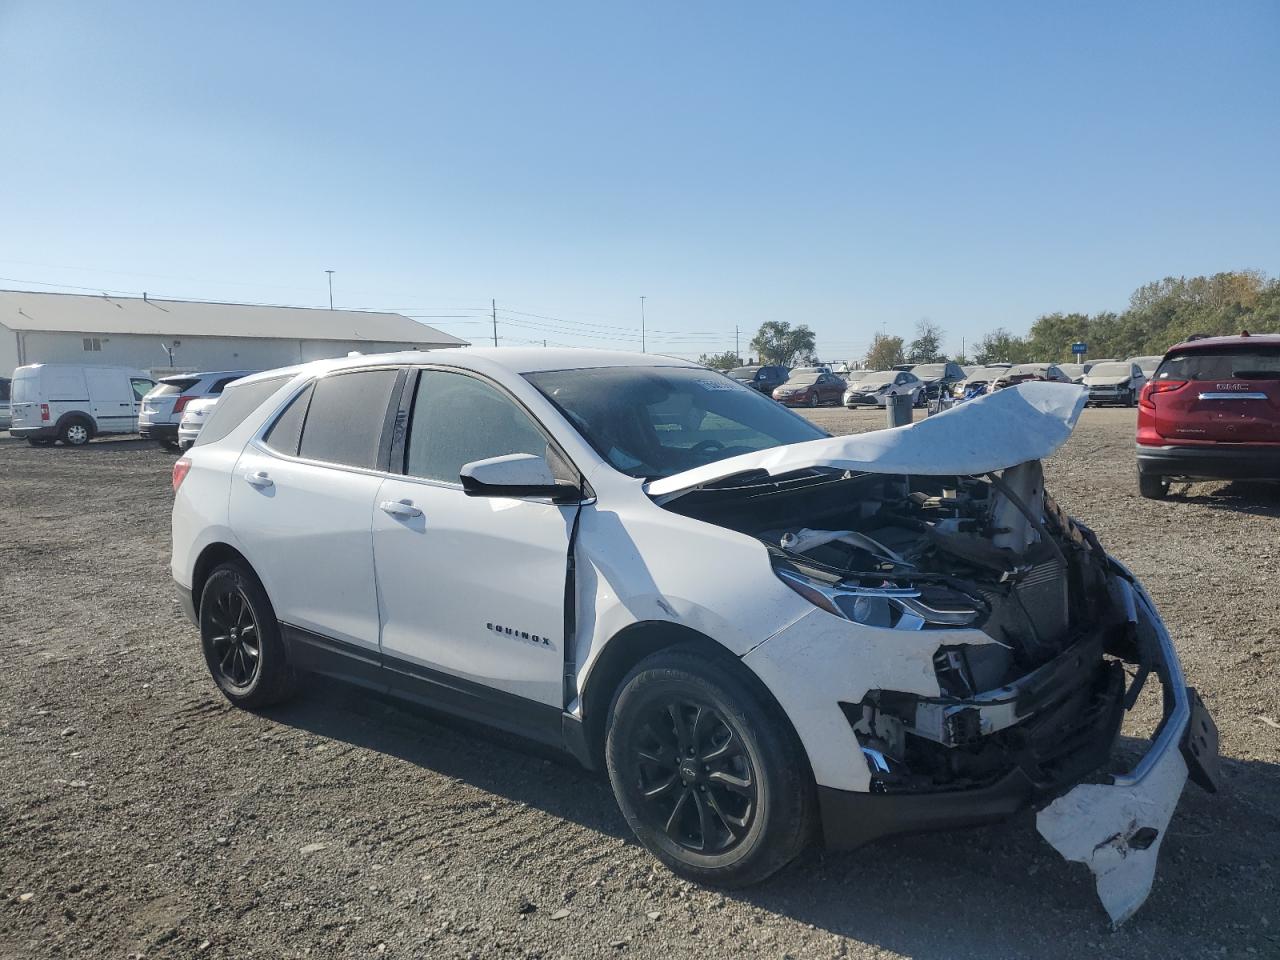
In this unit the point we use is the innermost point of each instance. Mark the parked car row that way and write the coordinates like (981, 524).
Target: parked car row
(73, 403)
(1118, 382)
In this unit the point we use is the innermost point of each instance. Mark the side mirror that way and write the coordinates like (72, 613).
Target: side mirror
(516, 475)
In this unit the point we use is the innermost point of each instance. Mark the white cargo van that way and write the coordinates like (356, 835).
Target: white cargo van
(74, 403)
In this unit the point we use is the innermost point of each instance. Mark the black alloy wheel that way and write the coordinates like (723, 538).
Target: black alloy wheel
(695, 778)
(236, 643)
(241, 638)
(707, 769)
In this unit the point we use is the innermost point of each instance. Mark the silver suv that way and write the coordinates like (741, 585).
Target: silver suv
(162, 408)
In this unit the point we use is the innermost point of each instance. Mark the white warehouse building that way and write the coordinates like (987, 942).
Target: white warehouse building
(182, 336)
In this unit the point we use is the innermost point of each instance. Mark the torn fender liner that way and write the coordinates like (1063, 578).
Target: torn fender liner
(1116, 831)
(995, 431)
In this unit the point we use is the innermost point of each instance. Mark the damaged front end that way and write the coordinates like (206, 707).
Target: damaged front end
(1036, 640)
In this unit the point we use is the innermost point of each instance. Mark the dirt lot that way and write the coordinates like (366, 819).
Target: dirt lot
(139, 814)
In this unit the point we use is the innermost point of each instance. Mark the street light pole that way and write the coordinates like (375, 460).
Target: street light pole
(642, 349)
(330, 273)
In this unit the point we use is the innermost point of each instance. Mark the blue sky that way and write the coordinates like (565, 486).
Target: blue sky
(851, 166)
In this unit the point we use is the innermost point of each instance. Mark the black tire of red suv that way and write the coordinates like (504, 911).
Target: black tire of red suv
(1152, 486)
(240, 637)
(707, 770)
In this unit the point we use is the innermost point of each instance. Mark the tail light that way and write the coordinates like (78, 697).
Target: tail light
(44, 412)
(181, 467)
(1152, 387)
(180, 404)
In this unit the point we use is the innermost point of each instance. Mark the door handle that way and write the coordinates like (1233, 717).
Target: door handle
(400, 508)
(259, 479)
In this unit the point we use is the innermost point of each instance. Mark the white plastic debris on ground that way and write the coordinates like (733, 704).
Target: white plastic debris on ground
(1107, 828)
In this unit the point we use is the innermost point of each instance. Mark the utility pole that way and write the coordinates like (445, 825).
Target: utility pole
(494, 305)
(642, 349)
(963, 355)
(736, 355)
(330, 273)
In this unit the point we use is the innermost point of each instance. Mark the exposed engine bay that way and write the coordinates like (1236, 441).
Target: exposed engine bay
(993, 554)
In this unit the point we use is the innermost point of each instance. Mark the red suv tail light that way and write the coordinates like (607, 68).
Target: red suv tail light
(180, 468)
(1152, 387)
(44, 412)
(180, 404)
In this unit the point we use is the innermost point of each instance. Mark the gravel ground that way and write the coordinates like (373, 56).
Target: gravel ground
(141, 815)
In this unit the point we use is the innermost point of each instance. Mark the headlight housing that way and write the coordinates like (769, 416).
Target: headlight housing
(891, 607)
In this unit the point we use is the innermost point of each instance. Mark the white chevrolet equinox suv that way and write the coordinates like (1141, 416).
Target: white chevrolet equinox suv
(765, 634)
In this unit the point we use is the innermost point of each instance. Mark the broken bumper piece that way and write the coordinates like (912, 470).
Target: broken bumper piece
(1116, 828)
(1114, 825)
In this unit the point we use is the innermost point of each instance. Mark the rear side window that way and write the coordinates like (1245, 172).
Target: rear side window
(458, 419)
(345, 419)
(235, 406)
(286, 432)
(1223, 363)
(4, 390)
(221, 385)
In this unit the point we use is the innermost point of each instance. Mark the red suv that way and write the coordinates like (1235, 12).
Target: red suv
(1211, 412)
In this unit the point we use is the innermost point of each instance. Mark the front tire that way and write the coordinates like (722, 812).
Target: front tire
(1152, 486)
(707, 770)
(240, 637)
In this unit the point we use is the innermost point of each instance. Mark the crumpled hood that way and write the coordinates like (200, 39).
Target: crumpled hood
(868, 386)
(991, 432)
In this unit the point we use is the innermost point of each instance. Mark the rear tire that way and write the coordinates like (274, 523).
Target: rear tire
(170, 445)
(240, 637)
(1152, 486)
(707, 770)
(75, 433)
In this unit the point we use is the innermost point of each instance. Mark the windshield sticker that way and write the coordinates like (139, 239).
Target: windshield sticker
(715, 384)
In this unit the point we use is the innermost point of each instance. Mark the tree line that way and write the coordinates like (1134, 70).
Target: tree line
(1159, 315)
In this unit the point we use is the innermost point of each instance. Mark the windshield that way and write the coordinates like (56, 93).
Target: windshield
(1072, 369)
(652, 422)
(929, 371)
(853, 376)
(743, 373)
(800, 379)
(1223, 363)
(1111, 370)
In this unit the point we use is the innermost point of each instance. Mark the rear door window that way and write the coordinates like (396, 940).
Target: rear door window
(235, 406)
(346, 417)
(141, 387)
